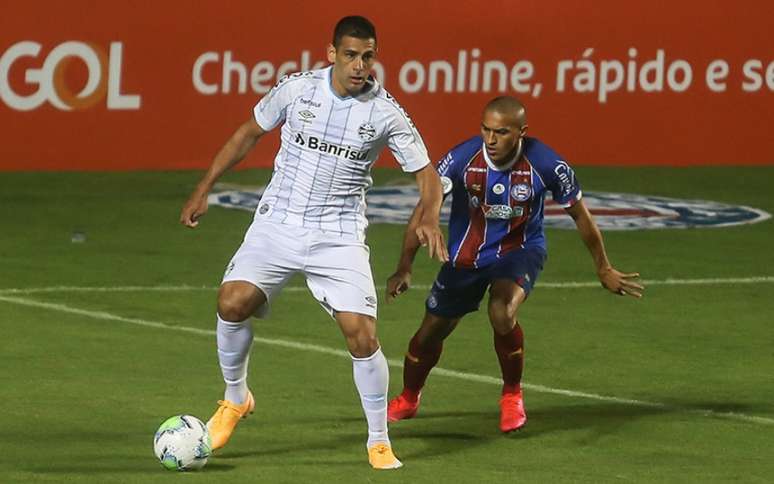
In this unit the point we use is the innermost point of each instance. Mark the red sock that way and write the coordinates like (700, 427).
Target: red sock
(417, 365)
(510, 353)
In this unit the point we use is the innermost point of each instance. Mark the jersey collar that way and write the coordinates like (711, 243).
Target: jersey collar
(508, 165)
(372, 86)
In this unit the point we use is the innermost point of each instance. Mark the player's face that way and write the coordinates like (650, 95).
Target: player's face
(352, 63)
(501, 133)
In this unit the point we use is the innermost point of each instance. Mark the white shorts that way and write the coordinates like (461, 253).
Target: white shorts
(336, 269)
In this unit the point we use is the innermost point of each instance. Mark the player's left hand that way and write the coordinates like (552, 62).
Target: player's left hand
(430, 236)
(621, 283)
(397, 284)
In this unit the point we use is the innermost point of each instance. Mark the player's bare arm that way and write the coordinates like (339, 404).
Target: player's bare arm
(614, 281)
(235, 149)
(428, 230)
(400, 280)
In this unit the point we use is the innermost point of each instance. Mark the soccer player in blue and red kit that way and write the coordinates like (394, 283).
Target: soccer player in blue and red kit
(498, 182)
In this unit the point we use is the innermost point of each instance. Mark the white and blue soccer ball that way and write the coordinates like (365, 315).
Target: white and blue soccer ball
(182, 443)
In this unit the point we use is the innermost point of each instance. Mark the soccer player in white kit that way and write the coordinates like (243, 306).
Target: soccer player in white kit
(311, 219)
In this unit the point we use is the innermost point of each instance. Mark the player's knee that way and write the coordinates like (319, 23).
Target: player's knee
(231, 310)
(503, 314)
(237, 303)
(363, 345)
(359, 332)
(433, 331)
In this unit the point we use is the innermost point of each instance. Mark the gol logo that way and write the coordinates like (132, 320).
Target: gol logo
(104, 77)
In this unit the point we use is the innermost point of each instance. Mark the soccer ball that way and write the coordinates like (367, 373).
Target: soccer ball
(182, 443)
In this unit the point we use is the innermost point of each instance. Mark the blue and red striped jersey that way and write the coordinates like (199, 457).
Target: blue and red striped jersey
(496, 210)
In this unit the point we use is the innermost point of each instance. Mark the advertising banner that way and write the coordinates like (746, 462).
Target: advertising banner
(127, 85)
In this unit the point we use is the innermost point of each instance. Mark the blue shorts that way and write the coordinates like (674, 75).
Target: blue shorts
(458, 291)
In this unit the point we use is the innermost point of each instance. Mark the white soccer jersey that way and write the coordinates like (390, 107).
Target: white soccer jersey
(328, 145)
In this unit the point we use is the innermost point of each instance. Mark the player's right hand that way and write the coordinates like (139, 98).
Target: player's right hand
(194, 208)
(397, 284)
(431, 236)
(620, 283)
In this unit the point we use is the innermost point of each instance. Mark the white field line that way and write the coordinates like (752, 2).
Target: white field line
(105, 316)
(548, 285)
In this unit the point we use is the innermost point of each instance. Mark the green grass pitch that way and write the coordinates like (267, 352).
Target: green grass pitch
(676, 387)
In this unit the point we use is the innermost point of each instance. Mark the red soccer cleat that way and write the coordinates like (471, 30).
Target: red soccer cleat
(400, 408)
(512, 414)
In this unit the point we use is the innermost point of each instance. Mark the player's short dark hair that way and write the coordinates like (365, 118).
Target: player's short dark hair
(353, 26)
(508, 105)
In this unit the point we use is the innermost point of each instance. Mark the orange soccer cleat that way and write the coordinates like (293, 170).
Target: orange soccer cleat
(222, 424)
(512, 414)
(380, 456)
(400, 408)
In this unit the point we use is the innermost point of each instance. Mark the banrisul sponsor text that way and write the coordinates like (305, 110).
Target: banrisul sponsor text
(315, 144)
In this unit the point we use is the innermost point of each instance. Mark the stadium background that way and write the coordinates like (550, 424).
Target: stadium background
(106, 302)
(174, 125)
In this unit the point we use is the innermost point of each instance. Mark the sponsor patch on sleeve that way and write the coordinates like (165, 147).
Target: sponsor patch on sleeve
(446, 185)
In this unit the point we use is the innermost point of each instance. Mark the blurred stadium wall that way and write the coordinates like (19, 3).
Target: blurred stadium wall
(125, 85)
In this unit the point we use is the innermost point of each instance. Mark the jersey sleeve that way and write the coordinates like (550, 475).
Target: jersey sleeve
(563, 184)
(405, 141)
(272, 107)
(451, 166)
(557, 175)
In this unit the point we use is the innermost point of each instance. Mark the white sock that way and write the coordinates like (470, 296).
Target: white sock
(371, 379)
(234, 341)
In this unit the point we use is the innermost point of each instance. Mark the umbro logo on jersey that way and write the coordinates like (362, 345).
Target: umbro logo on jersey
(347, 152)
(306, 116)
